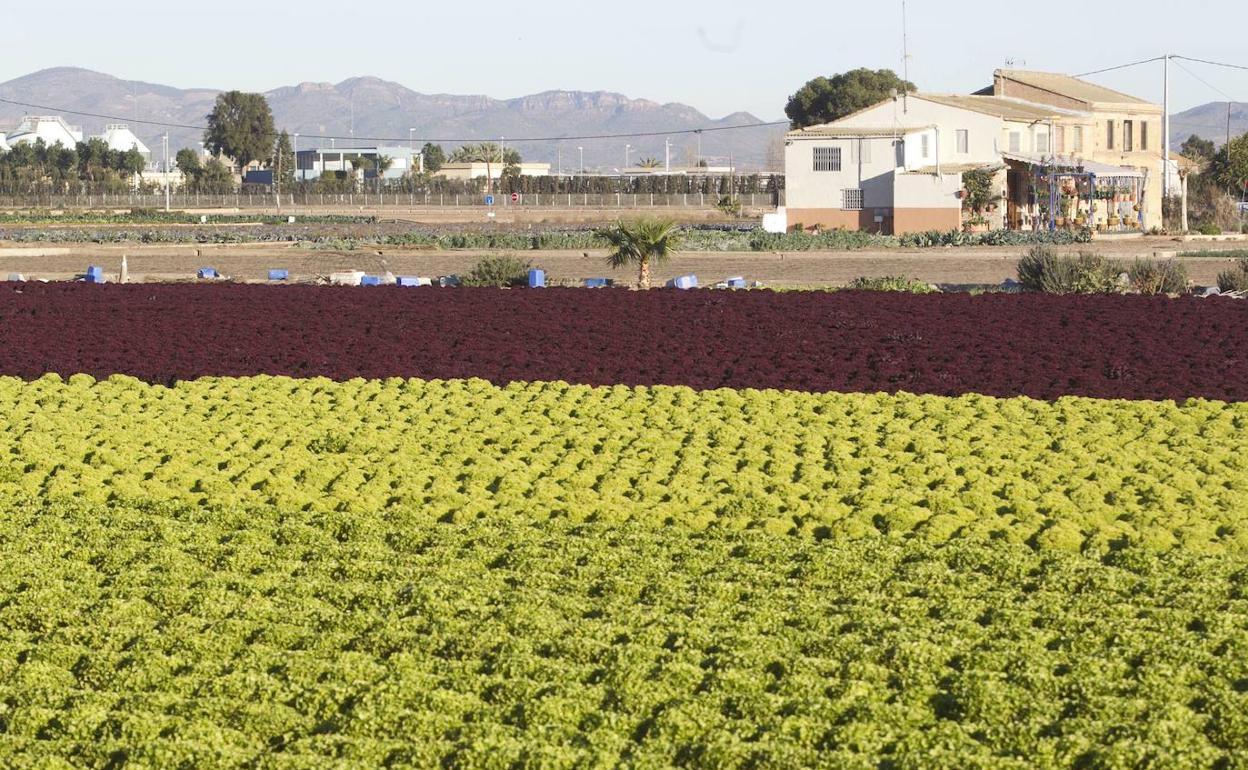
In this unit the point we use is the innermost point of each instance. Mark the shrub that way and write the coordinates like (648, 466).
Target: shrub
(891, 283)
(932, 238)
(1165, 276)
(498, 271)
(1043, 269)
(1209, 228)
(1235, 279)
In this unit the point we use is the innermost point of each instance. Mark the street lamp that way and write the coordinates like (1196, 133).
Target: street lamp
(581, 151)
(296, 151)
(628, 148)
(410, 146)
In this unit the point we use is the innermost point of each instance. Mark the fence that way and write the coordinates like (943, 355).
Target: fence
(243, 200)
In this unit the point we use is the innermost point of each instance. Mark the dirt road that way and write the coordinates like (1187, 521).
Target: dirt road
(952, 266)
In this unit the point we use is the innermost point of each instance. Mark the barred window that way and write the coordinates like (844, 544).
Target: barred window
(964, 141)
(827, 159)
(852, 200)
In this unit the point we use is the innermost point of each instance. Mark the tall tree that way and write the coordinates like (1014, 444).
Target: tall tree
(824, 100)
(1196, 148)
(642, 242)
(435, 156)
(240, 127)
(489, 154)
(284, 159)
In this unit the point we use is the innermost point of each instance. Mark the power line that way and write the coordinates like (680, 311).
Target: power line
(585, 137)
(1214, 63)
(1202, 80)
(1120, 67)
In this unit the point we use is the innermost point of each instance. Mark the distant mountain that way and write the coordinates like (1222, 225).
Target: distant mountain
(1208, 121)
(367, 107)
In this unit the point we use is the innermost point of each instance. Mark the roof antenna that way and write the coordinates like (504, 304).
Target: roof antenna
(905, 61)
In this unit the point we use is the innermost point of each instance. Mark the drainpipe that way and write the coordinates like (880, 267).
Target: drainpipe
(938, 151)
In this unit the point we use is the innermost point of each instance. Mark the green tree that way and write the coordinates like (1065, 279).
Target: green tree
(489, 154)
(187, 161)
(1196, 148)
(240, 127)
(1229, 166)
(641, 242)
(284, 159)
(215, 178)
(132, 162)
(824, 100)
(435, 156)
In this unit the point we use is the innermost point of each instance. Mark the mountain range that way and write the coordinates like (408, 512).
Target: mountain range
(367, 107)
(1208, 121)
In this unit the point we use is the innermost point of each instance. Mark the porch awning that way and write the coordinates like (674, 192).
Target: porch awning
(1088, 166)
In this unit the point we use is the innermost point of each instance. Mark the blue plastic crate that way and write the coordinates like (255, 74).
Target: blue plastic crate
(686, 282)
(207, 272)
(278, 274)
(537, 278)
(597, 283)
(370, 280)
(95, 273)
(407, 280)
(736, 283)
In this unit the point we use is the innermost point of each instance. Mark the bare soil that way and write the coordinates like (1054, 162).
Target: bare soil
(969, 266)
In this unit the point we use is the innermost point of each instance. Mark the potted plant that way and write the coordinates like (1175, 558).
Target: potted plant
(1113, 219)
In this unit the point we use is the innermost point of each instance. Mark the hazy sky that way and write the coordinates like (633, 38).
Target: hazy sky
(720, 56)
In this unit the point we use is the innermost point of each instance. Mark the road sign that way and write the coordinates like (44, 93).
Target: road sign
(515, 197)
(489, 200)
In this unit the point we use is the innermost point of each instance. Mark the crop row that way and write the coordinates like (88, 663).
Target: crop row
(1074, 475)
(181, 637)
(349, 233)
(1002, 345)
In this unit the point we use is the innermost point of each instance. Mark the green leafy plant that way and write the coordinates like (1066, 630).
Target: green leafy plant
(891, 283)
(1166, 276)
(498, 271)
(1235, 279)
(1043, 269)
(641, 243)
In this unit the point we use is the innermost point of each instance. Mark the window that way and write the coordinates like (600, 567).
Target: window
(964, 141)
(1109, 134)
(1076, 139)
(1143, 134)
(827, 159)
(1042, 142)
(1016, 141)
(1059, 139)
(851, 200)
(924, 145)
(1128, 136)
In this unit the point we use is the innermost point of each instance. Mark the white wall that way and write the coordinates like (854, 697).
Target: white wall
(870, 171)
(983, 131)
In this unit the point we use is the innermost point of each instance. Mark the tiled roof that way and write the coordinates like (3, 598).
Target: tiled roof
(997, 106)
(1071, 87)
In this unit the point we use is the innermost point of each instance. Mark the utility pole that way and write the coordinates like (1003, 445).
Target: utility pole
(699, 161)
(165, 142)
(296, 149)
(628, 148)
(581, 152)
(559, 160)
(1165, 130)
(667, 155)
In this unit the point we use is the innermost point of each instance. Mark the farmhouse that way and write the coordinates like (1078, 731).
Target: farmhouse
(479, 170)
(1060, 153)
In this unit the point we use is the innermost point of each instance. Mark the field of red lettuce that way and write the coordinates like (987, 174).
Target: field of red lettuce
(1001, 345)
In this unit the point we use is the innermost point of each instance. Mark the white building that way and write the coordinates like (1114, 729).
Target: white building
(4, 145)
(120, 138)
(52, 129)
(478, 170)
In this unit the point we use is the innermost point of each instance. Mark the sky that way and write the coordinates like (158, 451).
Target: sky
(720, 57)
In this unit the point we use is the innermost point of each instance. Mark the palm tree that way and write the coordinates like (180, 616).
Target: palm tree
(485, 152)
(641, 242)
(649, 163)
(382, 164)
